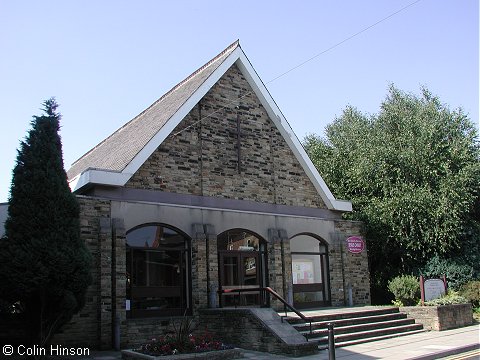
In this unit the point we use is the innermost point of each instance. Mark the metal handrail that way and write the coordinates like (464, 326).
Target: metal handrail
(276, 295)
(287, 305)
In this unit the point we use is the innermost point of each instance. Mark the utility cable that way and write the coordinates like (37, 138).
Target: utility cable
(237, 101)
(343, 41)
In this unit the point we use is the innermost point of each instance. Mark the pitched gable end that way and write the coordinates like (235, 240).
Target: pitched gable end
(115, 160)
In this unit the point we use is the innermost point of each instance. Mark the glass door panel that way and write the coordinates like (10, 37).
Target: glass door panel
(250, 279)
(239, 270)
(250, 270)
(230, 271)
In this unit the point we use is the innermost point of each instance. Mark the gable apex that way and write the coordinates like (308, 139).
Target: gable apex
(163, 116)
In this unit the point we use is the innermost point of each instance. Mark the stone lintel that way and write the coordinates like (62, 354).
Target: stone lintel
(198, 232)
(209, 230)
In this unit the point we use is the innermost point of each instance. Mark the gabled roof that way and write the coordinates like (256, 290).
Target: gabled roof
(119, 149)
(118, 157)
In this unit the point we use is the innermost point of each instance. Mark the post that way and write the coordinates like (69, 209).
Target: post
(422, 290)
(117, 332)
(212, 296)
(350, 296)
(331, 341)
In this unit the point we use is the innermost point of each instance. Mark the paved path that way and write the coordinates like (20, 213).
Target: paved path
(422, 346)
(429, 345)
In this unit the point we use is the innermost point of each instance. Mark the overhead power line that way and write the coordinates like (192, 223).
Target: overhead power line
(237, 101)
(343, 41)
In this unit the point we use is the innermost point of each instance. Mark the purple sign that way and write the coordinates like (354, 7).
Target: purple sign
(355, 244)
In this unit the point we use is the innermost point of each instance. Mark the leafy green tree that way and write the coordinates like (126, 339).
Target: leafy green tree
(458, 273)
(412, 173)
(45, 266)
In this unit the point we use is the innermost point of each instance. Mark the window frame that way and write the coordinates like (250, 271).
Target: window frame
(183, 290)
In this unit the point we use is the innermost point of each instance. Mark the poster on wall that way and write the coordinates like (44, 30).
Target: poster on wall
(303, 272)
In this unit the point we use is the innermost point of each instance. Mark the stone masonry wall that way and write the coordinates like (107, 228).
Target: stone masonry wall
(441, 317)
(255, 329)
(119, 283)
(348, 270)
(139, 331)
(201, 157)
(199, 268)
(287, 267)
(274, 264)
(84, 328)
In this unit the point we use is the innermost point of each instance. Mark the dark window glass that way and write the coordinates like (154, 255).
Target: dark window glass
(238, 240)
(157, 272)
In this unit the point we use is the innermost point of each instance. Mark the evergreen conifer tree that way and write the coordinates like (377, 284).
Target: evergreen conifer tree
(45, 266)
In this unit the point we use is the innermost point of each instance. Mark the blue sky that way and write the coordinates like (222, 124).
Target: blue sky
(106, 61)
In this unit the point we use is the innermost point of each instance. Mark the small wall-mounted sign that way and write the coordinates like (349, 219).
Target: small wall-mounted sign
(355, 244)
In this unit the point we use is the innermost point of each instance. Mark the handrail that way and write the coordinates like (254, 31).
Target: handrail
(275, 294)
(285, 303)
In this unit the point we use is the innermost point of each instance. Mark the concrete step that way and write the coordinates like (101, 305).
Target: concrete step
(324, 346)
(351, 321)
(340, 330)
(371, 335)
(342, 314)
(354, 326)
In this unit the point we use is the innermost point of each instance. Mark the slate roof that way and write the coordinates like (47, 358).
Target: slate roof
(119, 149)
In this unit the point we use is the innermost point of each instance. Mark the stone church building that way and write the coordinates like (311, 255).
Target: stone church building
(206, 191)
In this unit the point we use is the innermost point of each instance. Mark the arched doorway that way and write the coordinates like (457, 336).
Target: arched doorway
(242, 265)
(310, 274)
(158, 271)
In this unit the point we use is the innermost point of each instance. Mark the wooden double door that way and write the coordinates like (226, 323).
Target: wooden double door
(240, 270)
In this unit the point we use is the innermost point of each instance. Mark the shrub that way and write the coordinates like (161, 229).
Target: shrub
(169, 345)
(397, 303)
(406, 289)
(457, 273)
(450, 299)
(471, 291)
(182, 330)
(180, 340)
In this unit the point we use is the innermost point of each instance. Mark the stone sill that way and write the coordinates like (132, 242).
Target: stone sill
(210, 355)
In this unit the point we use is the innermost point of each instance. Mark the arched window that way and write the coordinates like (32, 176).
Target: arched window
(158, 269)
(310, 274)
(240, 240)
